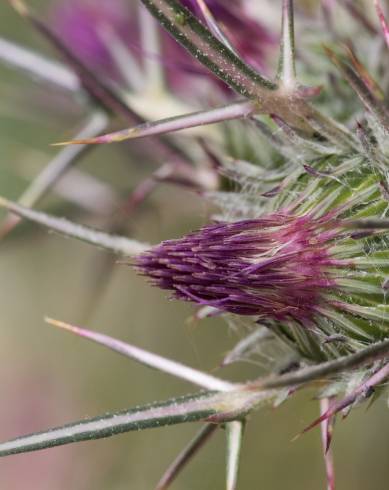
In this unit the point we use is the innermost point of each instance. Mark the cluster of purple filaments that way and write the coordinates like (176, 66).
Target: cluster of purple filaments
(276, 267)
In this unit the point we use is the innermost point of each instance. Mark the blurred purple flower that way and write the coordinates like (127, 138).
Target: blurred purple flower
(79, 23)
(276, 266)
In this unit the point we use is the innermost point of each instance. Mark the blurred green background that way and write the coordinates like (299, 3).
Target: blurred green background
(49, 378)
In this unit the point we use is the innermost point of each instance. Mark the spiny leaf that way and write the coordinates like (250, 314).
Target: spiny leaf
(232, 111)
(286, 66)
(204, 406)
(148, 358)
(114, 243)
(234, 445)
(174, 411)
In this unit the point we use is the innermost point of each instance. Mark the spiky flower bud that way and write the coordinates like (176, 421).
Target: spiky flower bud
(276, 266)
(298, 265)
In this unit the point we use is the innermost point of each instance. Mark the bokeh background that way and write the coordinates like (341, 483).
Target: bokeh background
(49, 377)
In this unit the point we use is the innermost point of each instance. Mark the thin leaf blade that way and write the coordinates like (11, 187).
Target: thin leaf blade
(174, 411)
(171, 124)
(234, 445)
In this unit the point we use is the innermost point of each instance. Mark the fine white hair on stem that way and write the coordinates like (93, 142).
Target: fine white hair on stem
(115, 243)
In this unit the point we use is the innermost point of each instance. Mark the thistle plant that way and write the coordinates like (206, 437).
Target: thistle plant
(299, 247)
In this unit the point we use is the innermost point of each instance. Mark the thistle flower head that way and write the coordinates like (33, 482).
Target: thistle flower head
(276, 266)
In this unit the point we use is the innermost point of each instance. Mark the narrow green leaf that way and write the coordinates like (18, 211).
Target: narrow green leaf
(173, 411)
(204, 406)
